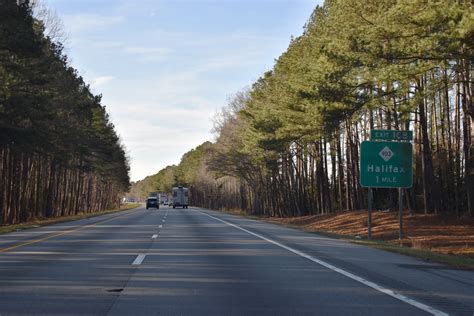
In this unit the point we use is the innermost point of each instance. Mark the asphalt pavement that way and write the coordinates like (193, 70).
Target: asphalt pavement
(201, 262)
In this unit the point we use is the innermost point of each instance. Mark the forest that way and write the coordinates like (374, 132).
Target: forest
(289, 145)
(59, 152)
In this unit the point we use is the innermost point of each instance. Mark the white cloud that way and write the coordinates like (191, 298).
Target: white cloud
(158, 128)
(100, 81)
(159, 136)
(148, 54)
(83, 22)
(103, 44)
(146, 50)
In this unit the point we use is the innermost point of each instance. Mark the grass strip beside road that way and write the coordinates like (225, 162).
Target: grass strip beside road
(56, 220)
(452, 260)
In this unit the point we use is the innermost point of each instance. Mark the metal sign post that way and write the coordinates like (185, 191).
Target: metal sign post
(400, 213)
(369, 210)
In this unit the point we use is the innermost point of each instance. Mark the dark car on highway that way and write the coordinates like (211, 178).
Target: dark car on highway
(152, 202)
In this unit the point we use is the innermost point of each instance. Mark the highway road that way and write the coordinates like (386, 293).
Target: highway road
(202, 262)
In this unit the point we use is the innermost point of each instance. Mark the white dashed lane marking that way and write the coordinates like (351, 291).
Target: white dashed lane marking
(138, 261)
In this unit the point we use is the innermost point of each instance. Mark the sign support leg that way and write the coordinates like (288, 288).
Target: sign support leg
(369, 221)
(400, 215)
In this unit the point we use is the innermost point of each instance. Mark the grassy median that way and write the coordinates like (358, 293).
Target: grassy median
(55, 220)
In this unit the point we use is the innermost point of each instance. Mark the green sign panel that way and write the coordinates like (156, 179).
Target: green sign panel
(386, 164)
(381, 134)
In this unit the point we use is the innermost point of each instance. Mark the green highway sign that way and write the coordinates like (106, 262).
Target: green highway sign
(386, 164)
(381, 134)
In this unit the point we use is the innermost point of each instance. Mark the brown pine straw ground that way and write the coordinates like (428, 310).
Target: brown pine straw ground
(435, 233)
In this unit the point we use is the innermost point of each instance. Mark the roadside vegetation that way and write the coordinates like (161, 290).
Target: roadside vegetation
(447, 236)
(38, 222)
(59, 152)
(288, 146)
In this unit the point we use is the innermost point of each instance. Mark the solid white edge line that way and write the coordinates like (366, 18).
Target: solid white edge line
(138, 261)
(154, 236)
(354, 277)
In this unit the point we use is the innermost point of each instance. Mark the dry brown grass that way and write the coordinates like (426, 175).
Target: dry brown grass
(38, 222)
(430, 232)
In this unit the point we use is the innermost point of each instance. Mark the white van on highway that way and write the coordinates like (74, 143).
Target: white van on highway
(180, 197)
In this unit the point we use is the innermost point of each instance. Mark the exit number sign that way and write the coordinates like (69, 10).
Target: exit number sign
(382, 134)
(386, 164)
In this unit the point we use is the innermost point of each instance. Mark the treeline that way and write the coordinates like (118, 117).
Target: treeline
(289, 145)
(59, 152)
(162, 181)
(192, 171)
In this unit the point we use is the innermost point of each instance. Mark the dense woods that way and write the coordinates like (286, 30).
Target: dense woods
(59, 152)
(289, 145)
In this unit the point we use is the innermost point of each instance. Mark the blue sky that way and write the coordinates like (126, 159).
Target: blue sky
(165, 67)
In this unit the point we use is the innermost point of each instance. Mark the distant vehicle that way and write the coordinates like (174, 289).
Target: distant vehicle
(180, 197)
(152, 201)
(163, 198)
